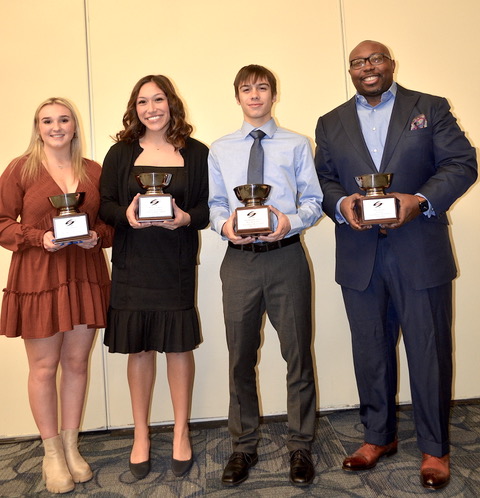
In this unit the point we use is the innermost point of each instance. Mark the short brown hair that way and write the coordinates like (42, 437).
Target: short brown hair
(253, 73)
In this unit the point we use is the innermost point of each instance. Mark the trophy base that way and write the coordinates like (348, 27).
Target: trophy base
(253, 221)
(377, 209)
(70, 228)
(156, 207)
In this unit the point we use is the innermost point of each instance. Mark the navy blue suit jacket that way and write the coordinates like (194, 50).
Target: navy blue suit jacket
(437, 161)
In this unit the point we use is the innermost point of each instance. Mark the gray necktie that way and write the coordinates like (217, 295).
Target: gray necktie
(255, 162)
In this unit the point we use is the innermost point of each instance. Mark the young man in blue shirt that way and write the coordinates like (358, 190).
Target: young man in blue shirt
(268, 273)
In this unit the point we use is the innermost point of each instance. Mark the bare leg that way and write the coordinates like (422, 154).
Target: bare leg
(141, 372)
(180, 372)
(43, 359)
(74, 360)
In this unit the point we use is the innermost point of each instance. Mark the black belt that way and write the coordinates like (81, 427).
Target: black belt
(265, 246)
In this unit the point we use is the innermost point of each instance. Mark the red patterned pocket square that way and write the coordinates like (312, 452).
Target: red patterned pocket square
(419, 122)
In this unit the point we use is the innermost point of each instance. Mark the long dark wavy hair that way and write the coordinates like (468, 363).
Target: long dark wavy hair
(178, 129)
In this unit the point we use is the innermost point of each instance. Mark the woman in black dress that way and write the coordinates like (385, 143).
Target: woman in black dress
(152, 305)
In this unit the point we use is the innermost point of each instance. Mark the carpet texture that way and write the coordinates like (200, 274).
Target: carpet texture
(337, 434)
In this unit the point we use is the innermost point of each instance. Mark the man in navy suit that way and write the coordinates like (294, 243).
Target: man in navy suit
(396, 274)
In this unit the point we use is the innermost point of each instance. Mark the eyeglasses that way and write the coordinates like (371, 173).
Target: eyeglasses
(374, 59)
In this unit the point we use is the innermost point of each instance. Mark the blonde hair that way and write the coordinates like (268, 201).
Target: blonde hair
(35, 153)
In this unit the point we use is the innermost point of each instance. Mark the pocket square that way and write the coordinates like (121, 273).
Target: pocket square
(419, 122)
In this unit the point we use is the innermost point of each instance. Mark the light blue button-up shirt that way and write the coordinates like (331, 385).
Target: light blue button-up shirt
(288, 168)
(374, 121)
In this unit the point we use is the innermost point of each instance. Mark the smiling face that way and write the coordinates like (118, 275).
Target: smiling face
(152, 108)
(56, 126)
(371, 81)
(256, 100)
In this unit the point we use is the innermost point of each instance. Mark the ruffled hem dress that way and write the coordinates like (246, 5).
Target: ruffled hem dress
(49, 292)
(152, 301)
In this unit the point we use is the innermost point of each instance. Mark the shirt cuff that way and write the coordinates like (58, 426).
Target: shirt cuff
(338, 215)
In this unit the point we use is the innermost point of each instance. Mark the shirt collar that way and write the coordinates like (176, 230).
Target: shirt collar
(386, 96)
(269, 128)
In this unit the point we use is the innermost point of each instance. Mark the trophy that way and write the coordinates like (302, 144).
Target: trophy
(69, 225)
(154, 205)
(255, 218)
(376, 207)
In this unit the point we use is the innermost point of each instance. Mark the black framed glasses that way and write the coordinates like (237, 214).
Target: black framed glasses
(374, 59)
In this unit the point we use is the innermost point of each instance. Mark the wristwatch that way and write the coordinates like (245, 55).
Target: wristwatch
(423, 205)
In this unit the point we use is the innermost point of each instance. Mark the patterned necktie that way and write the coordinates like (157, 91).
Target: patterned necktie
(255, 162)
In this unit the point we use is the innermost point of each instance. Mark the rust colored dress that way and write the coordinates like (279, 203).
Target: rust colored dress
(49, 292)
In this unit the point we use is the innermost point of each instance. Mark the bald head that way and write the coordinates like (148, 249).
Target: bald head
(374, 45)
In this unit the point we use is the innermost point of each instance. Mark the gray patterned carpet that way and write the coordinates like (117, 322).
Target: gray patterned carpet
(337, 434)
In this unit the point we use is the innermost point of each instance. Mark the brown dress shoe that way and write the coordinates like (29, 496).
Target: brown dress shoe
(435, 471)
(367, 456)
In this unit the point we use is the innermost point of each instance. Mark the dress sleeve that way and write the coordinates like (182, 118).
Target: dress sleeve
(105, 232)
(15, 235)
(111, 210)
(198, 211)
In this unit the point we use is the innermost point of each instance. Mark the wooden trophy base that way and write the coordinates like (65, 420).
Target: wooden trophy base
(157, 207)
(68, 228)
(377, 209)
(253, 221)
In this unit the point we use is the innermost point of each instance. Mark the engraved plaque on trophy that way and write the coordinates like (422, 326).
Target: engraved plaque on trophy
(154, 205)
(376, 207)
(254, 218)
(69, 225)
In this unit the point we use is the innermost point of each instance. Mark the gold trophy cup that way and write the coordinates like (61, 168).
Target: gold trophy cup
(69, 225)
(154, 205)
(376, 207)
(254, 218)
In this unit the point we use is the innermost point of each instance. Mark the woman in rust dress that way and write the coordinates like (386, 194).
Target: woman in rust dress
(57, 293)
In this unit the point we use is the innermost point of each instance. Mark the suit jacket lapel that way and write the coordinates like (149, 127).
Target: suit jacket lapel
(402, 109)
(351, 124)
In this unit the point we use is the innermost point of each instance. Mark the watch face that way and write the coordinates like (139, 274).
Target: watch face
(423, 206)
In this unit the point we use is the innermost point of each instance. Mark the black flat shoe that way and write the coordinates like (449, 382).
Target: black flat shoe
(302, 471)
(236, 470)
(181, 467)
(140, 470)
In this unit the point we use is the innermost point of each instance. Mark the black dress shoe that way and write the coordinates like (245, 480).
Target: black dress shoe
(181, 467)
(236, 470)
(140, 470)
(302, 471)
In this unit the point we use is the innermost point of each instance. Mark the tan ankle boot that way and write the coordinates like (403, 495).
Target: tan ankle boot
(79, 468)
(54, 470)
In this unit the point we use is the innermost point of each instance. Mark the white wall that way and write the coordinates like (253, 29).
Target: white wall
(51, 48)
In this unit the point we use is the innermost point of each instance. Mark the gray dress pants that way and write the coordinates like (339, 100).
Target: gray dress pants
(279, 283)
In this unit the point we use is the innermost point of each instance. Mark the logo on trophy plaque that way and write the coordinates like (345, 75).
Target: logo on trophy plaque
(154, 205)
(376, 207)
(69, 225)
(254, 218)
